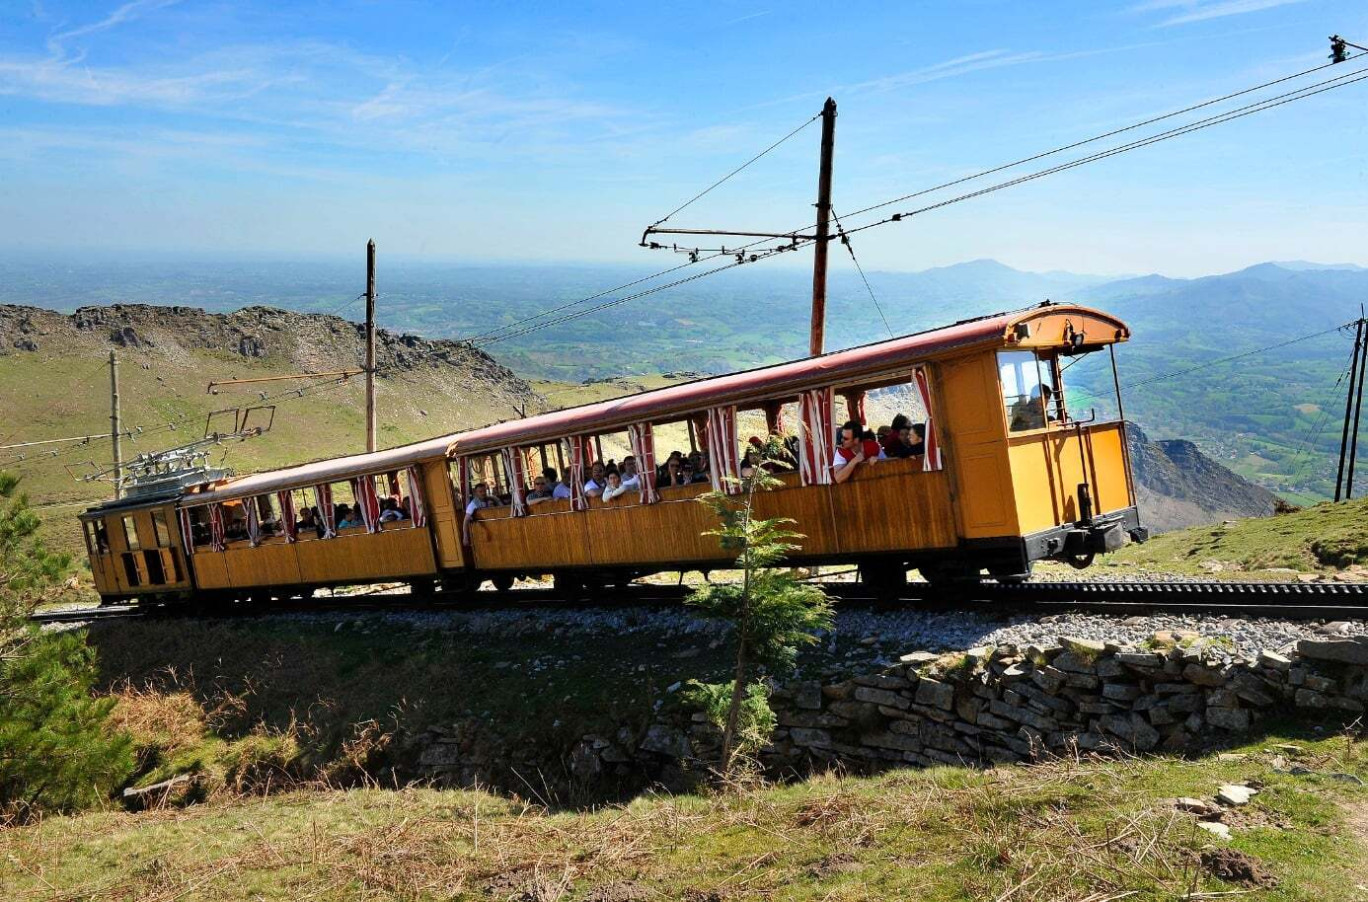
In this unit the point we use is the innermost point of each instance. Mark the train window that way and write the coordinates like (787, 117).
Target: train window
(101, 537)
(234, 522)
(307, 526)
(199, 526)
(130, 528)
(489, 469)
(346, 516)
(1028, 390)
(160, 528)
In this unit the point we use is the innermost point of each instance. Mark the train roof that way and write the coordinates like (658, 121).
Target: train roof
(782, 380)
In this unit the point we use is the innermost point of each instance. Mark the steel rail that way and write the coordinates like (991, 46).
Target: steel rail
(1238, 600)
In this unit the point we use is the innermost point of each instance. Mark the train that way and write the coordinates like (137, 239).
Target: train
(1007, 474)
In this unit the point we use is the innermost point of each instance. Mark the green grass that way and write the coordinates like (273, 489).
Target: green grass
(1324, 538)
(1057, 831)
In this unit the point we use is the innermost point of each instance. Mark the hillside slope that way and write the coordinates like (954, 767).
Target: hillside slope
(54, 382)
(1177, 486)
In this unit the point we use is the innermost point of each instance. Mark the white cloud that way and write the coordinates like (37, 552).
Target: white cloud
(1202, 10)
(126, 13)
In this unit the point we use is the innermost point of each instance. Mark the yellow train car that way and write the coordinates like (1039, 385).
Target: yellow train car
(999, 472)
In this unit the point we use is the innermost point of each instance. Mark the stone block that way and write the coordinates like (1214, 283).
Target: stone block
(1082, 681)
(853, 710)
(967, 708)
(993, 722)
(1222, 698)
(1236, 719)
(1088, 648)
(887, 740)
(1296, 676)
(935, 714)
(881, 697)
(808, 696)
(1110, 668)
(838, 691)
(882, 681)
(1161, 716)
(1097, 706)
(1147, 660)
(1203, 676)
(1317, 683)
(666, 740)
(1024, 715)
(1175, 688)
(1049, 678)
(1344, 703)
(1074, 663)
(1307, 698)
(1184, 704)
(935, 693)
(806, 737)
(1343, 651)
(1121, 692)
(1045, 700)
(1275, 661)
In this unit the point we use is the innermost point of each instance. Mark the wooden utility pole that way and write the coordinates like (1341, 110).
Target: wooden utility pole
(370, 345)
(1348, 410)
(819, 255)
(114, 424)
(1358, 410)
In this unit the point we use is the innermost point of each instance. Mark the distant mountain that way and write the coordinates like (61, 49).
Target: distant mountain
(1178, 486)
(1306, 266)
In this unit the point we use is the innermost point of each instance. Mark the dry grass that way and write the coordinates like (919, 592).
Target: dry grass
(1075, 829)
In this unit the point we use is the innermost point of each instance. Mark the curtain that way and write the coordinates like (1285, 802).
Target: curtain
(774, 417)
(326, 514)
(392, 480)
(249, 507)
(513, 467)
(815, 438)
(216, 527)
(724, 465)
(578, 500)
(932, 461)
(187, 534)
(855, 406)
(463, 476)
(363, 490)
(287, 516)
(417, 512)
(642, 437)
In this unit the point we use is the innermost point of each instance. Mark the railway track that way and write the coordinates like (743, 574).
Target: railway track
(1293, 601)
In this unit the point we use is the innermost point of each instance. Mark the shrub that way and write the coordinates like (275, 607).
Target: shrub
(56, 752)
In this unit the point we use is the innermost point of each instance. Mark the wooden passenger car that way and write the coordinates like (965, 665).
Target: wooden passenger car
(1009, 475)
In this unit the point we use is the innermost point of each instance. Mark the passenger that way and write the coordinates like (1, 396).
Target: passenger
(851, 452)
(749, 464)
(689, 472)
(559, 490)
(541, 492)
(406, 508)
(701, 473)
(615, 487)
(674, 473)
(390, 512)
(1029, 412)
(348, 517)
(598, 479)
(916, 442)
(631, 479)
(307, 522)
(480, 499)
(896, 443)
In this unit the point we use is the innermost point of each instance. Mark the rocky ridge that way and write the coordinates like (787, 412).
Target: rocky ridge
(1177, 486)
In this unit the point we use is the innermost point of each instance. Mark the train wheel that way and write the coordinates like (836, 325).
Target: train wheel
(502, 582)
(1081, 561)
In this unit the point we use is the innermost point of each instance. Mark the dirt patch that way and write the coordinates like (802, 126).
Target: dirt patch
(626, 891)
(525, 884)
(703, 895)
(1234, 866)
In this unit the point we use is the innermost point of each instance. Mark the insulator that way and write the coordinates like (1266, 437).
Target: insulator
(1339, 49)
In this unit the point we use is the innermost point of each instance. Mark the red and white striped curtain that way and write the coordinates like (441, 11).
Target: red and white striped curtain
(326, 515)
(642, 437)
(463, 476)
(417, 512)
(187, 534)
(216, 527)
(774, 418)
(933, 454)
(578, 500)
(249, 507)
(363, 490)
(723, 454)
(287, 516)
(513, 468)
(815, 437)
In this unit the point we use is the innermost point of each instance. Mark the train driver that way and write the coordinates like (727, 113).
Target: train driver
(852, 452)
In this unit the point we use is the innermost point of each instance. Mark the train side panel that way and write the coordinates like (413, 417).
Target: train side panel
(974, 425)
(1048, 467)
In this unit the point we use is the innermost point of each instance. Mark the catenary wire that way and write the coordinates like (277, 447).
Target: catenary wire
(845, 239)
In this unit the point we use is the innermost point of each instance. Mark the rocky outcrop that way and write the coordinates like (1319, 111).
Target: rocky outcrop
(1178, 486)
(302, 341)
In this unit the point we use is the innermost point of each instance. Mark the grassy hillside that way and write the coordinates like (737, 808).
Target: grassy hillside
(62, 390)
(1325, 538)
(1068, 830)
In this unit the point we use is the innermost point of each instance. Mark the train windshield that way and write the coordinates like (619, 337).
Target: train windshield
(1036, 394)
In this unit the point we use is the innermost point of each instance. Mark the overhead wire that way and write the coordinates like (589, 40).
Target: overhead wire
(845, 240)
(524, 327)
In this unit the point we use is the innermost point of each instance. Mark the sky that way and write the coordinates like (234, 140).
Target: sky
(540, 131)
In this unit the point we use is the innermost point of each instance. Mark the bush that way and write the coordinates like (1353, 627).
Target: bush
(755, 721)
(56, 752)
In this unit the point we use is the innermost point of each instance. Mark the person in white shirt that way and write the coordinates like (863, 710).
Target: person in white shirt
(614, 487)
(630, 478)
(852, 452)
(480, 499)
(598, 480)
